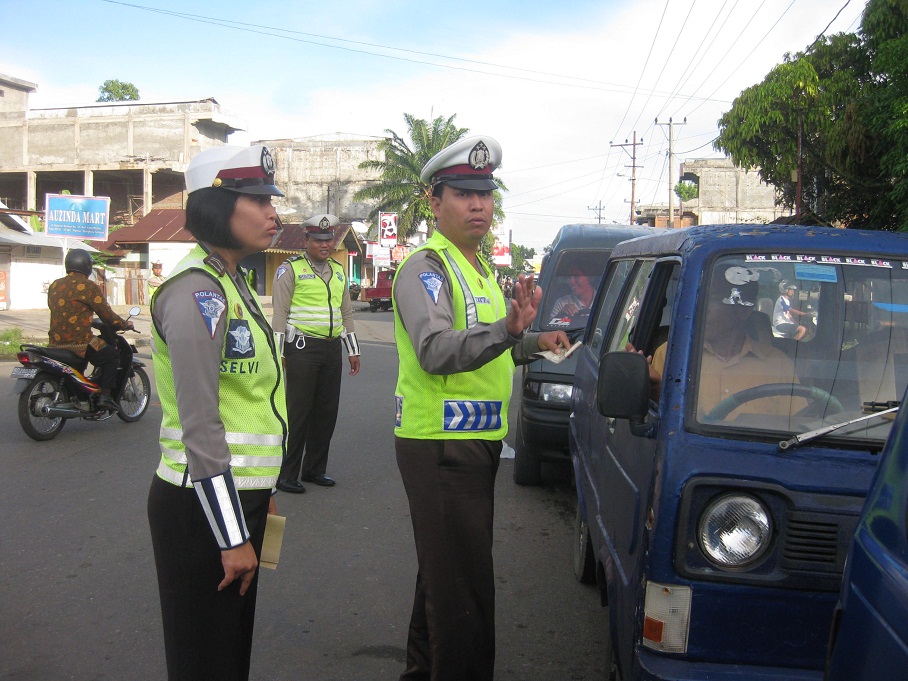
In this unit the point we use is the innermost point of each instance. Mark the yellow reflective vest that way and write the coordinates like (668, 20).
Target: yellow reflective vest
(315, 309)
(251, 396)
(470, 405)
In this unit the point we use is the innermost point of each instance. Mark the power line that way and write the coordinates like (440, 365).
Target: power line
(277, 32)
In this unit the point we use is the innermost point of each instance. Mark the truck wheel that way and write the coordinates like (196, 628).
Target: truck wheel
(584, 562)
(373, 307)
(527, 466)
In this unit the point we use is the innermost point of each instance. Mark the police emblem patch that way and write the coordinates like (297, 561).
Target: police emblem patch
(432, 281)
(479, 156)
(239, 340)
(280, 271)
(212, 305)
(267, 161)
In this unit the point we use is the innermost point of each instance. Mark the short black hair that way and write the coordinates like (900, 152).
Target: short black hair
(208, 213)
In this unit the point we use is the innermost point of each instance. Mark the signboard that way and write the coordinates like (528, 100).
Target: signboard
(387, 229)
(381, 257)
(77, 217)
(3, 299)
(501, 249)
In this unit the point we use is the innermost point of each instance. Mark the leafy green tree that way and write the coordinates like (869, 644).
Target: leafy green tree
(399, 190)
(118, 91)
(685, 191)
(847, 96)
(520, 255)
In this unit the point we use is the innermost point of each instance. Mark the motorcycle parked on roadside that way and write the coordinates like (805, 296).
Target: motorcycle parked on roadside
(52, 386)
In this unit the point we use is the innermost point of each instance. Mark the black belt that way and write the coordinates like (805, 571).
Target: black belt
(306, 339)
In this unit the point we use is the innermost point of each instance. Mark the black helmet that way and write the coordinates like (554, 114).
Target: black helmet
(79, 260)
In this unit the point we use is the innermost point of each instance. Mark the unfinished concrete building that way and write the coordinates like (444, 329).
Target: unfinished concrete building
(726, 194)
(133, 152)
(321, 174)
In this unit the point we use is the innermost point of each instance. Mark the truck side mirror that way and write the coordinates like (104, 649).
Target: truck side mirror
(623, 390)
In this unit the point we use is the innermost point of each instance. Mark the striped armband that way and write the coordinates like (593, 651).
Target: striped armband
(222, 508)
(350, 343)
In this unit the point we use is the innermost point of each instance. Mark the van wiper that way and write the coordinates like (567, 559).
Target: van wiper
(878, 409)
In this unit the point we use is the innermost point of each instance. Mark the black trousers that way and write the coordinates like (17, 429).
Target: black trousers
(106, 360)
(207, 633)
(313, 396)
(450, 485)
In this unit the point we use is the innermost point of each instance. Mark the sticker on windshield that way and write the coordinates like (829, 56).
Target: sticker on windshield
(826, 273)
(820, 259)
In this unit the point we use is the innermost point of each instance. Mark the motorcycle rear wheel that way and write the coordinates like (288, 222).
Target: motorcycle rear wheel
(135, 396)
(40, 392)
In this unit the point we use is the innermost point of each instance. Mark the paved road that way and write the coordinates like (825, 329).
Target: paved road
(78, 598)
(34, 323)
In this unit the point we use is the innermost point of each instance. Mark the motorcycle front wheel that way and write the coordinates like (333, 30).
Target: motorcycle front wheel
(42, 392)
(135, 396)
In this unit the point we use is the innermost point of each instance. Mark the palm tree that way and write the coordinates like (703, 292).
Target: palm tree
(400, 190)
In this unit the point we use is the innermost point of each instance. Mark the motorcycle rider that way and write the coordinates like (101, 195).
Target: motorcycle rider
(74, 300)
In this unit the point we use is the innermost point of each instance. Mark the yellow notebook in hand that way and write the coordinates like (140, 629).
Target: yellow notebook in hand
(274, 535)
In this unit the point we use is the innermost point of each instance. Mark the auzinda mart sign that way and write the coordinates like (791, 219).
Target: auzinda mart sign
(77, 217)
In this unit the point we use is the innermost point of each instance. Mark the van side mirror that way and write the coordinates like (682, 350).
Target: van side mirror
(623, 390)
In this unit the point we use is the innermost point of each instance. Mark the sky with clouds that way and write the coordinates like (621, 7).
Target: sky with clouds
(558, 84)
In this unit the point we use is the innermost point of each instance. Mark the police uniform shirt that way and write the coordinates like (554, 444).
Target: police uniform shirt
(441, 349)
(196, 368)
(282, 296)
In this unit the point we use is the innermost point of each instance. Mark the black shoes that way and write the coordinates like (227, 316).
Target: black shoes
(320, 480)
(291, 486)
(107, 402)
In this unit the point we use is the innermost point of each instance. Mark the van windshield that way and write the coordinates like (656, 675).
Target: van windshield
(794, 342)
(569, 292)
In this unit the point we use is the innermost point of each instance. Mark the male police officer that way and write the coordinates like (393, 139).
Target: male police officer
(457, 339)
(311, 300)
(156, 278)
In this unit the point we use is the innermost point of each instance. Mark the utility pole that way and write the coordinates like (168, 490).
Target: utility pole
(598, 211)
(671, 166)
(799, 186)
(633, 166)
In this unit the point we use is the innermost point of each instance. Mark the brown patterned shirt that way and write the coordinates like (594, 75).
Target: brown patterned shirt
(74, 300)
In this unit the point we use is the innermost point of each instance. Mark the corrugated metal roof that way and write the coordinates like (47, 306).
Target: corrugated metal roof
(162, 224)
(166, 225)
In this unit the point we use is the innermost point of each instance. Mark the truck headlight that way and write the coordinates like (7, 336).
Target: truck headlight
(734, 530)
(556, 392)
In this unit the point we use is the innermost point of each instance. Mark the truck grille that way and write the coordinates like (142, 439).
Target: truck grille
(813, 544)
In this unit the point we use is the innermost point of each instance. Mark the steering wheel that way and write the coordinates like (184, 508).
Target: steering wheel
(809, 392)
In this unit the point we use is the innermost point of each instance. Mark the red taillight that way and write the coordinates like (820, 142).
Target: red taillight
(24, 357)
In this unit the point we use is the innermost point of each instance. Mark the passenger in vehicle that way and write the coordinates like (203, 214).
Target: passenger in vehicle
(737, 352)
(737, 349)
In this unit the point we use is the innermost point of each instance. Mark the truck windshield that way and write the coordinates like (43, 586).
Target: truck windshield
(794, 342)
(569, 293)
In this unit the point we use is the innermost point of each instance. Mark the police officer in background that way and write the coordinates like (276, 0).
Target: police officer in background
(156, 278)
(311, 301)
(219, 378)
(458, 340)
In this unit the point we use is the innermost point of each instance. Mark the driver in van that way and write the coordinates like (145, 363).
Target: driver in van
(737, 350)
(580, 298)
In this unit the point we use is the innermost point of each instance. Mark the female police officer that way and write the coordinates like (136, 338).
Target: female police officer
(222, 438)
